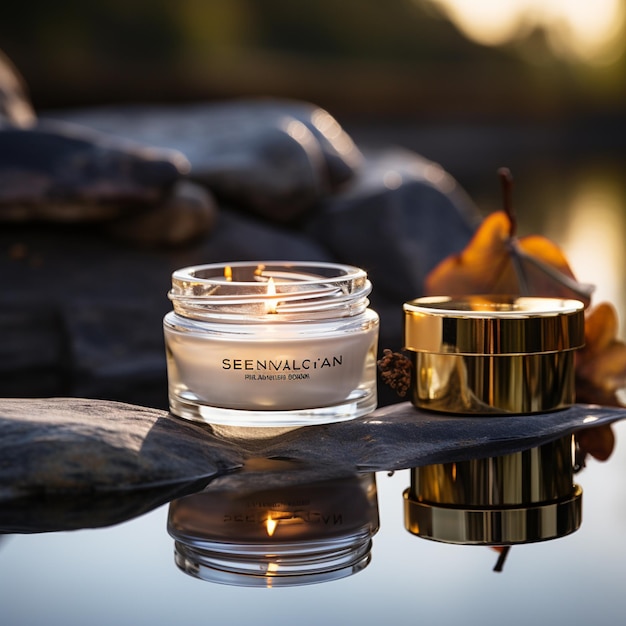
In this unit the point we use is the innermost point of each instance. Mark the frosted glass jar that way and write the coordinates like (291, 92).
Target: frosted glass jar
(271, 344)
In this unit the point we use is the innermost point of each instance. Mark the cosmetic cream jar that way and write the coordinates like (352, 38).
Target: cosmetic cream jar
(516, 498)
(271, 344)
(493, 354)
(295, 535)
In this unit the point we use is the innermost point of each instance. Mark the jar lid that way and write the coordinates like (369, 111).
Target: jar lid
(493, 325)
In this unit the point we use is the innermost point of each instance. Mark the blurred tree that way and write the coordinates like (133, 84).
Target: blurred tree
(400, 56)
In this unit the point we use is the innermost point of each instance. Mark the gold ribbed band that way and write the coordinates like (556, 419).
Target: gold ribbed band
(494, 526)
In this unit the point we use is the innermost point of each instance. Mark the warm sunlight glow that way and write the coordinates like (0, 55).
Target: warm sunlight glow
(593, 238)
(270, 526)
(228, 273)
(592, 32)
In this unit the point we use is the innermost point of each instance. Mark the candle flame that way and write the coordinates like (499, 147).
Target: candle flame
(270, 304)
(270, 526)
(228, 273)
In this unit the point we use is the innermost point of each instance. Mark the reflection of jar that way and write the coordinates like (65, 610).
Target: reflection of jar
(516, 498)
(295, 535)
(493, 354)
(273, 344)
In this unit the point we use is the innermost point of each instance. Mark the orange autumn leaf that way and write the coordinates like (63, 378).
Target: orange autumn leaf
(496, 262)
(601, 364)
(599, 442)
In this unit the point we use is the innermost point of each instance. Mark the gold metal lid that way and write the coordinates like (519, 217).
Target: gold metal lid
(493, 325)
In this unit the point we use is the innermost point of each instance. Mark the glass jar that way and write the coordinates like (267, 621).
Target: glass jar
(271, 344)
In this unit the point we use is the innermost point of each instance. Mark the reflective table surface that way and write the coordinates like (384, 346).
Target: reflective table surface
(128, 573)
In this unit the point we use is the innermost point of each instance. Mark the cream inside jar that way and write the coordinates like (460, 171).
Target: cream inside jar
(271, 344)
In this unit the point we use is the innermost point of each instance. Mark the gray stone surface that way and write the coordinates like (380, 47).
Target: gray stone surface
(66, 445)
(68, 463)
(74, 446)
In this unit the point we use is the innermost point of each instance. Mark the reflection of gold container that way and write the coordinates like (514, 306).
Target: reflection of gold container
(295, 535)
(516, 498)
(493, 354)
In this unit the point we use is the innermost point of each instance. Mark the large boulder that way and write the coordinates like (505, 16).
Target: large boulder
(99, 207)
(277, 159)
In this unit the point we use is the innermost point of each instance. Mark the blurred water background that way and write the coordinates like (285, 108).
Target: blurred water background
(537, 86)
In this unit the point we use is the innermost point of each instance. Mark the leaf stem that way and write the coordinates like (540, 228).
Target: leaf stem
(506, 179)
(504, 552)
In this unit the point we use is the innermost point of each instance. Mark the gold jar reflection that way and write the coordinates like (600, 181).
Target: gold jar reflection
(294, 535)
(516, 498)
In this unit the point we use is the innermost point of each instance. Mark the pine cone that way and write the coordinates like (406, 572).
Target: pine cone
(395, 371)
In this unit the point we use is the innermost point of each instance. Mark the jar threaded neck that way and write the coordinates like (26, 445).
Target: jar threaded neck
(274, 291)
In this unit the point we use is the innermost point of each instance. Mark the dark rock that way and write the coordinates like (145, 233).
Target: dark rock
(78, 308)
(91, 282)
(272, 157)
(399, 218)
(64, 446)
(188, 213)
(271, 170)
(82, 316)
(342, 157)
(400, 437)
(244, 238)
(63, 172)
(32, 350)
(15, 106)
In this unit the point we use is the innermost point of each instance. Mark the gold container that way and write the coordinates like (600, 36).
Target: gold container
(517, 498)
(493, 354)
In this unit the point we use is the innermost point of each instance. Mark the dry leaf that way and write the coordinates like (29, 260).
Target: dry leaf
(598, 442)
(601, 364)
(496, 262)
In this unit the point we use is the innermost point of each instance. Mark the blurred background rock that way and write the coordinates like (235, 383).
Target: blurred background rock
(547, 78)
(538, 86)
